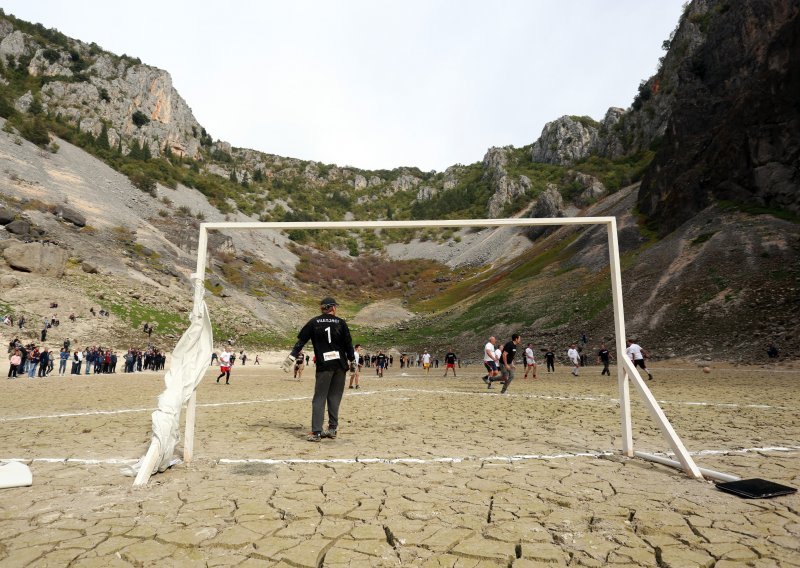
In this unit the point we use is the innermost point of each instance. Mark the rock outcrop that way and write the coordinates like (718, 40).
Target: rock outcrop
(38, 258)
(565, 140)
(71, 216)
(6, 216)
(733, 129)
(89, 89)
(505, 188)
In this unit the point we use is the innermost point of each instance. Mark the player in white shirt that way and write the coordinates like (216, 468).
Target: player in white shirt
(530, 361)
(225, 366)
(575, 358)
(355, 366)
(426, 362)
(637, 355)
(490, 361)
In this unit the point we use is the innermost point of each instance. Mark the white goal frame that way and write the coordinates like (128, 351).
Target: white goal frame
(626, 372)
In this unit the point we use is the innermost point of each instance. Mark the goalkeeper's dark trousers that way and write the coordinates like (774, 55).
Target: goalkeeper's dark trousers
(328, 388)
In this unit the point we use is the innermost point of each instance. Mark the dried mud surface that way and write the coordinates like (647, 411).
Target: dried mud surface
(425, 471)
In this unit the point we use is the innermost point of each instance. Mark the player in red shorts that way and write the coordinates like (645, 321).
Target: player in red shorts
(450, 361)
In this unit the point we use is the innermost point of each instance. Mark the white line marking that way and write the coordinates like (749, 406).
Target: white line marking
(601, 398)
(414, 461)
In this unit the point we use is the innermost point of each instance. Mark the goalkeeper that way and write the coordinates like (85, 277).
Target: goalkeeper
(333, 348)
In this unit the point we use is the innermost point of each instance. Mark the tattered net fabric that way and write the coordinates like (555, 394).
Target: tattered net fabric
(189, 363)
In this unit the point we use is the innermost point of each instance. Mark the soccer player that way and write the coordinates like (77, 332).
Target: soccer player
(225, 365)
(507, 362)
(299, 366)
(550, 359)
(426, 362)
(333, 348)
(355, 366)
(604, 357)
(637, 355)
(450, 361)
(380, 363)
(530, 361)
(490, 361)
(575, 358)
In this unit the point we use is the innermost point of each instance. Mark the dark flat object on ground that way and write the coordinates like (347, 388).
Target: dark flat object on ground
(756, 488)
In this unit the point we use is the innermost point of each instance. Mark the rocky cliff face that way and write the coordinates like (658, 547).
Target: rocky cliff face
(733, 132)
(90, 88)
(505, 188)
(565, 140)
(623, 132)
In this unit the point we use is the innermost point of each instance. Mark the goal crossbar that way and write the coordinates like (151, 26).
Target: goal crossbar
(626, 372)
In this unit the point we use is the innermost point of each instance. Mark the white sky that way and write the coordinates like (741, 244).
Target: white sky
(379, 84)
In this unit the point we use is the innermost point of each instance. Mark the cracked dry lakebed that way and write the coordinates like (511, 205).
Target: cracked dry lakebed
(426, 471)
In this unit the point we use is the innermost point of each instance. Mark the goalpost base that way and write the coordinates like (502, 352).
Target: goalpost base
(707, 473)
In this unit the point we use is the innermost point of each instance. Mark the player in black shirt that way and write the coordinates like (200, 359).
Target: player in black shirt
(605, 357)
(550, 358)
(380, 363)
(333, 348)
(507, 363)
(450, 361)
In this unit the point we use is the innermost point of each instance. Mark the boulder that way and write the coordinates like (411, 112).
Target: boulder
(71, 216)
(7, 282)
(6, 216)
(19, 227)
(37, 258)
(89, 267)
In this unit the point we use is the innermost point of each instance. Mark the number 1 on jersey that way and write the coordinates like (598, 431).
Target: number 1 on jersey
(328, 329)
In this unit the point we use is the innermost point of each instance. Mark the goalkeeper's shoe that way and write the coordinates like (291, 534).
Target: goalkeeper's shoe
(314, 437)
(329, 433)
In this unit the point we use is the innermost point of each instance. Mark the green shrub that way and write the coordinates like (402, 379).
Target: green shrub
(6, 108)
(51, 55)
(144, 182)
(34, 130)
(139, 118)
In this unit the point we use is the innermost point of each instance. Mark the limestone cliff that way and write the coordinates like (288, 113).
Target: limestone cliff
(89, 87)
(734, 130)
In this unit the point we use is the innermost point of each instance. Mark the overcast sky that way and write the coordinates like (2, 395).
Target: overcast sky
(379, 84)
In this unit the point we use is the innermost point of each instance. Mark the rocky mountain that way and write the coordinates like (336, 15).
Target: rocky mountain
(105, 175)
(734, 125)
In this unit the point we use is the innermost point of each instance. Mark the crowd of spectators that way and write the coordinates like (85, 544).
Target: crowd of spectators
(37, 360)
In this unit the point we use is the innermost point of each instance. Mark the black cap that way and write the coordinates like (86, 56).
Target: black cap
(328, 302)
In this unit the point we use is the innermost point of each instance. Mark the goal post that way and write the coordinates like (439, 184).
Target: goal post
(626, 372)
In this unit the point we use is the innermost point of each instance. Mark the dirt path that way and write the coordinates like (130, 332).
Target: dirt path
(425, 471)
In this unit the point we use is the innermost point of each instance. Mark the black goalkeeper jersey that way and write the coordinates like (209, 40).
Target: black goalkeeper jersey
(330, 336)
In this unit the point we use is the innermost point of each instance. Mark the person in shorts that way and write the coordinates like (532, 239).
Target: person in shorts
(225, 365)
(426, 362)
(530, 361)
(450, 361)
(490, 361)
(355, 366)
(299, 366)
(637, 355)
